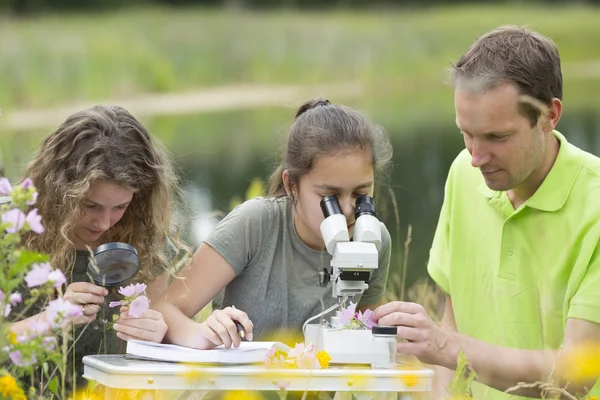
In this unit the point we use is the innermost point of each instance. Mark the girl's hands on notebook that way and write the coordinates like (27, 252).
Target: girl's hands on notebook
(220, 328)
(150, 326)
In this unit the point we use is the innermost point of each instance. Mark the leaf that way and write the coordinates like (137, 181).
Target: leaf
(461, 383)
(53, 386)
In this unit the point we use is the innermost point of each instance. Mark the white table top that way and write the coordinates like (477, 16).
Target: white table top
(117, 371)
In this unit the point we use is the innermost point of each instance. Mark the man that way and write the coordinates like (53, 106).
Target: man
(516, 248)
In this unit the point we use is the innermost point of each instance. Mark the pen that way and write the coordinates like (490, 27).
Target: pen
(241, 331)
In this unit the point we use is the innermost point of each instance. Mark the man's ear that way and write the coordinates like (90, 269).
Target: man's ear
(553, 116)
(290, 188)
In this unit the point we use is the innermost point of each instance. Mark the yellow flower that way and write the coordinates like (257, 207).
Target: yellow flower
(192, 373)
(324, 359)
(12, 338)
(582, 363)
(9, 388)
(410, 380)
(241, 395)
(592, 398)
(86, 394)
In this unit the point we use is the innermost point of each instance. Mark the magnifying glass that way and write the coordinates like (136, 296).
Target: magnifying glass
(116, 263)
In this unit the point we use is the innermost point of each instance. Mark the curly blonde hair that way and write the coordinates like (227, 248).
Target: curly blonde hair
(106, 143)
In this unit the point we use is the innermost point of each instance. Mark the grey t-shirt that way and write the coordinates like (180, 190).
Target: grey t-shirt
(277, 282)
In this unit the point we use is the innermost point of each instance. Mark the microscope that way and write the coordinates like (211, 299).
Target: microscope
(352, 264)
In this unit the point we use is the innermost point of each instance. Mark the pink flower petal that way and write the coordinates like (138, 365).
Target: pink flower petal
(5, 187)
(35, 221)
(38, 275)
(15, 218)
(139, 306)
(57, 277)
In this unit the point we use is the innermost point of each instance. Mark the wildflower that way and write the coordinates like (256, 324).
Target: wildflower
(367, 319)
(410, 380)
(57, 278)
(60, 312)
(10, 389)
(12, 337)
(582, 362)
(324, 359)
(133, 290)
(34, 197)
(241, 395)
(15, 298)
(15, 218)
(38, 275)
(139, 306)
(34, 220)
(351, 319)
(348, 314)
(5, 187)
(17, 358)
(7, 310)
(27, 183)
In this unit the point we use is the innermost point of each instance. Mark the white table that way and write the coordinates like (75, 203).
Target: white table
(116, 372)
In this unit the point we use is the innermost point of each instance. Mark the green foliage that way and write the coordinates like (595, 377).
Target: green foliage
(464, 376)
(41, 343)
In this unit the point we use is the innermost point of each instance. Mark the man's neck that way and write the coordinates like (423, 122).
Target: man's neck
(523, 192)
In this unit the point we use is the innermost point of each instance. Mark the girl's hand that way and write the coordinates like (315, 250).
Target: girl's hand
(150, 327)
(89, 296)
(220, 328)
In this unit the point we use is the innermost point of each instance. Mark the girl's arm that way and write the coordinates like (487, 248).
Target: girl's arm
(206, 275)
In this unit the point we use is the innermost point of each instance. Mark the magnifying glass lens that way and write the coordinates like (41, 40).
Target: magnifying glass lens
(116, 263)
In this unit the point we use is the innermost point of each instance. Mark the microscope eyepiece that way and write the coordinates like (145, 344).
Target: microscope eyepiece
(330, 205)
(364, 205)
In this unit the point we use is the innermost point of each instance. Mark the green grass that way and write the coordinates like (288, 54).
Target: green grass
(56, 59)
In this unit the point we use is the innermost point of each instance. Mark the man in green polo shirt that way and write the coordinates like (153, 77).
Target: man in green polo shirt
(517, 247)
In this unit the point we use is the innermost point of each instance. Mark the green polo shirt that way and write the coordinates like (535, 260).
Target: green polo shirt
(515, 276)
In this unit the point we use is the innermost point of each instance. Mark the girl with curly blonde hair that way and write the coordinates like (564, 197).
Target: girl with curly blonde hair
(101, 177)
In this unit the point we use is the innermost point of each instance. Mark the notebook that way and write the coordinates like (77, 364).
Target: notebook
(247, 353)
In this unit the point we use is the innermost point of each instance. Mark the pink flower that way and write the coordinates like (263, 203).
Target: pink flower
(17, 358)
(38, 275)
(309, 361)
(57, 278)
(297, 351)
(347, 314)
(5, 187)
(35, 221)
(367, 319)
(61, 312)
(27, 183)
(7, 310)
(115, 304)
(39, 327)
(133, 289)
(15, 218)
(33, 200)
(139, 306)
(50, 343)
(15, 298)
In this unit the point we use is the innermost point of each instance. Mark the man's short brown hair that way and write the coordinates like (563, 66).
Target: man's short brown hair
(515, 55)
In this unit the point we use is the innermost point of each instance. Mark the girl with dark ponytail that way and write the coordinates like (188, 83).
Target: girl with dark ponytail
(264, 258)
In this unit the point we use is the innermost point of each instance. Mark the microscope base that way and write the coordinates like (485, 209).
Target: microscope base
(344, 346)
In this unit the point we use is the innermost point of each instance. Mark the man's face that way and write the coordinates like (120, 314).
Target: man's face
(103, 207)
(501, 141)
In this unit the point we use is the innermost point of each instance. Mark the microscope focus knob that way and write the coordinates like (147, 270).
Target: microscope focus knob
(324, 277)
